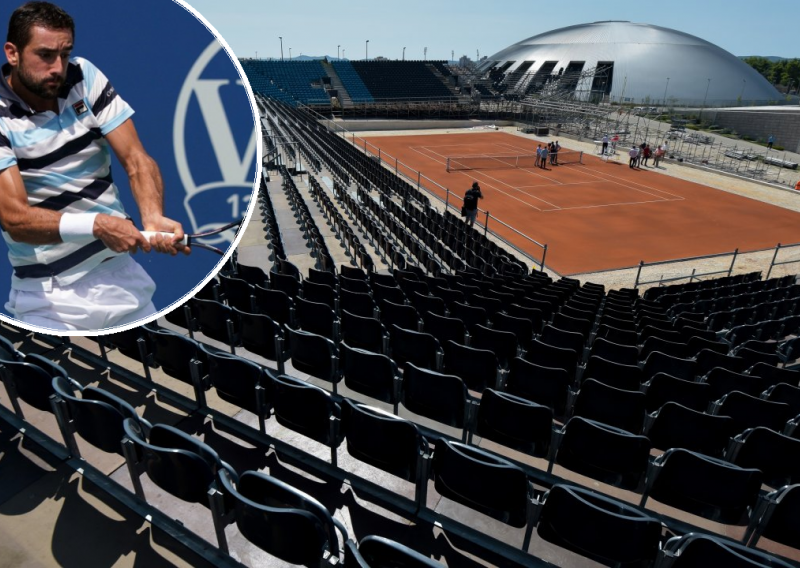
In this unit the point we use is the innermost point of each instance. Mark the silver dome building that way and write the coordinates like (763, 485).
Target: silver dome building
(631, 63)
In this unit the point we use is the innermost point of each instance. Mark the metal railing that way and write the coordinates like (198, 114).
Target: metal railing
(692, 276)
(775, 262)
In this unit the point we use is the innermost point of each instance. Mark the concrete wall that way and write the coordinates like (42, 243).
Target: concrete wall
(760, 124)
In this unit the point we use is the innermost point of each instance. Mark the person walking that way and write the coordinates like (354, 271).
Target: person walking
(470, 208)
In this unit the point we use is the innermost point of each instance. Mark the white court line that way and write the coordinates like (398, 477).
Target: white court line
(479, 174)
(616, 180)
(553, 207)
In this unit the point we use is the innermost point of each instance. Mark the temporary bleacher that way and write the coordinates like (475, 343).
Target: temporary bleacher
(401, 80)
(352, 82)
(301, 80)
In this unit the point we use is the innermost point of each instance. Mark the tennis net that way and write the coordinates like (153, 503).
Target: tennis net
(485, 162)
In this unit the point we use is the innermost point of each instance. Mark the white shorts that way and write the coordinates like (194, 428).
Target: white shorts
(117, 292)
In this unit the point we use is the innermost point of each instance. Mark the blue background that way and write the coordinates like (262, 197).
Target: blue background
(147, 48)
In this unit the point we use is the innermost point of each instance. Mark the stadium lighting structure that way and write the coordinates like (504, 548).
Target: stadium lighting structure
(337, 51)
(366, 50)
(280, 38)
(425, 54)
(290, 54)
(404, 53)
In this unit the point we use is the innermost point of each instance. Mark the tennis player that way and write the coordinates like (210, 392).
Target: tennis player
(68, 235)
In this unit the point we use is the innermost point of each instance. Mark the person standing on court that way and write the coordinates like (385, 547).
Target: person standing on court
(605, 144)
(67, 233)
(471, 203)
(645, 154)
(538, 155)
(556, 148)
(634, 155)
(543, 160)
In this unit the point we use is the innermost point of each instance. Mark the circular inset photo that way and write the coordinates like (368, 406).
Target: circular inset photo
(128, 159)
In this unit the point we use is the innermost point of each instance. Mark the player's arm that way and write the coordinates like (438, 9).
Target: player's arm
(38, 226)
(147, 187)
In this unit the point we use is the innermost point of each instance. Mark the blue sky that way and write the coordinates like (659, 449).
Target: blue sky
(317, 27)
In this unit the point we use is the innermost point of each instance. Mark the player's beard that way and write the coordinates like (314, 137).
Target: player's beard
(47, 88)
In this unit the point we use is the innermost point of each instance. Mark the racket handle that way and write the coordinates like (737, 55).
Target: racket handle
(148, 234)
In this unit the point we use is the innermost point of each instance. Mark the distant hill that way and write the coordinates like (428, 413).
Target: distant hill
(770, 58)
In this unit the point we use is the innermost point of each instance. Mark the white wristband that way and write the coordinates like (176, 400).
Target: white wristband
(76, 227)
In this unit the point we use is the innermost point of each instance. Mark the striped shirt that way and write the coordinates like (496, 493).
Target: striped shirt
(65, 164)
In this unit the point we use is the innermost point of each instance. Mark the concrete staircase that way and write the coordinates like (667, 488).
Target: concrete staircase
(442, 78)
(336, 83)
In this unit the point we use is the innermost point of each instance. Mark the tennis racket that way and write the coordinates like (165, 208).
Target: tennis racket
(190, 240)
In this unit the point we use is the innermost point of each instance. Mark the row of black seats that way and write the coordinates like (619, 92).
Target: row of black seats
(468, 475)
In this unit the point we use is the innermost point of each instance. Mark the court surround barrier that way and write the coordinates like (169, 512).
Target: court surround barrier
(780, 249)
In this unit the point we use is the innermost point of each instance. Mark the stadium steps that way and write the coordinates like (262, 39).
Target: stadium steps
(336, 82)
(445, 81)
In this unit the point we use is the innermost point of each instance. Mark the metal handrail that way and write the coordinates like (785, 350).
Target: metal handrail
(693, 274)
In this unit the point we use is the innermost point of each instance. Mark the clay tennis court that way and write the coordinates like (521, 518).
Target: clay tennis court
(598, 215)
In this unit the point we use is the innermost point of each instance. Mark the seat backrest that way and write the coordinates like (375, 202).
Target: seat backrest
(404, 316)
(369, 373)
(359, 303)
(616, 352)
(32, 383)
(275, 304)
(626, 377)
(677, 426)
(708, 359)
(315, 317)
(776, 455)
(695, 550)
(663, 388)
(236, 379)
(434, 395)
(378, 552)
(97, 415)
(477, 367)
(547, 355)
(615, 407)
(306, 408)
(658, 362)
(481, 481)
(444, 328)
(382, 440)
(174, 353)
(515, 422)
(414, 347)
(704, 486)
(787, 394)
(605, 453)
(281, 520)
(502, 343)
(258, 334)
(598, 527)
(548, 386)
(176, 462)
(774, 375)
(723, 381)
(750, 412)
